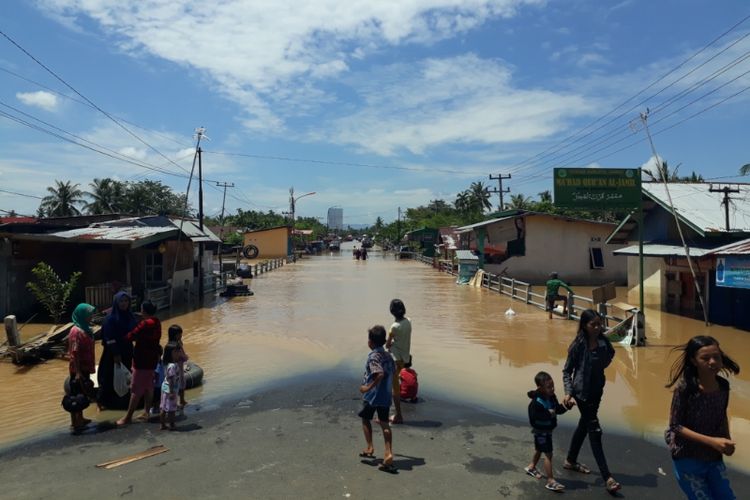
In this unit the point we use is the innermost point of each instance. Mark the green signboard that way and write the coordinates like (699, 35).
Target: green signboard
(597, 188)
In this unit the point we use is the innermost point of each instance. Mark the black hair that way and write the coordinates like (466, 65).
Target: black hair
(168, 350)
(587, 317)
(541, 377)
(683, 368)
(174, 332)
(148, 307)
(376, 334)
(398, 309)
(408, 363)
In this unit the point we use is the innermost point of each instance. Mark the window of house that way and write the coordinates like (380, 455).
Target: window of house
(596, 258)
(154, 268)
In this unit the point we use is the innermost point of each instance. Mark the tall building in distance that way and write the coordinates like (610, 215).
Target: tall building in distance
(336, 218)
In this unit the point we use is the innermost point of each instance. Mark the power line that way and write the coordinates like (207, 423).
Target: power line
(61, 80)
(561, 144)
(341, 163)
(21, 194)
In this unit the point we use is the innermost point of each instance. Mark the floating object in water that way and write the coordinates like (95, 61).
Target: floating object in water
(510, 312)
(236, 291)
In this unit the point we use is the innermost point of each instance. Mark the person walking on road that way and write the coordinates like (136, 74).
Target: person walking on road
(583, 376)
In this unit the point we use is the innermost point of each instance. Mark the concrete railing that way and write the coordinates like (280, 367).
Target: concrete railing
(267, 265)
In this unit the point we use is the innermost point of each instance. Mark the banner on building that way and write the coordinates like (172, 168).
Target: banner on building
(597, 188)
(733, 272)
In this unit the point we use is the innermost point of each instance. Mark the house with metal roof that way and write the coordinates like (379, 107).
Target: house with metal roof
(712, 219)
(154, 256)
(528, 246)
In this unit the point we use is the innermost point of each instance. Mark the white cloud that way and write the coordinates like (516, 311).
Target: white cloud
(261, 54)
(40, 99)
(458, 100)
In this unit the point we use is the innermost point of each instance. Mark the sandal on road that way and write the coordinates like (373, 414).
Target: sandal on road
(554, 486)
(533, 472)
(612, 485)
(577, 467)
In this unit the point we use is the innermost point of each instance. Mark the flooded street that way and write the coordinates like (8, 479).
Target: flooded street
(313, 315)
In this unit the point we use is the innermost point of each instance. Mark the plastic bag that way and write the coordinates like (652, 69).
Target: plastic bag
(122, 378)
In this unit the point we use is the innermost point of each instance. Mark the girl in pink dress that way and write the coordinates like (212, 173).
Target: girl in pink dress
(170, 387)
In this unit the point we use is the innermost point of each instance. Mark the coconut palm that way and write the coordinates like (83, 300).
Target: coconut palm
(662, 173)
(519, 202)
(107, 196)
(481, 195)
(545, 197)
(62, 199)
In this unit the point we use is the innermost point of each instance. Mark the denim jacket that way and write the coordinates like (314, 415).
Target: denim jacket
(577, 369)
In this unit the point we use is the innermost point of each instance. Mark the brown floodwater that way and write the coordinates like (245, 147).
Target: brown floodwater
(313, 316)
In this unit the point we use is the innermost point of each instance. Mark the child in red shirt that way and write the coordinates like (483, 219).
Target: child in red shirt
(145, 358)
(409, 383)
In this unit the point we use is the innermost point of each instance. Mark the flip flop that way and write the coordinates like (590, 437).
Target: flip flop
(365, 454)
(555, 486)
(533, 472)
(577, 467)
(612, 485)
(389, 468)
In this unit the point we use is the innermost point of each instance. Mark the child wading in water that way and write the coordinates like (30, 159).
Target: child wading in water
(376, 391)
(170, 387)
(698, 433)
(543, 411)
(175, 337)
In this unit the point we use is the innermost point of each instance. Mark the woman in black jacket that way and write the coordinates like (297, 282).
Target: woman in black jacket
(583, 375)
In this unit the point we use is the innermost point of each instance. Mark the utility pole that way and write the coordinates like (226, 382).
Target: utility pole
(225, 185)
(200, 225)
(726, 190)
(398, 228)
(499, 178)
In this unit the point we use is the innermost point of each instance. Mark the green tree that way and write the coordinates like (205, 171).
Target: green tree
(107, 195)
(153, 198)
(745, 169)
(62, 200)
(481, 195)
(51, 291)
(520, 202)
(545, 197)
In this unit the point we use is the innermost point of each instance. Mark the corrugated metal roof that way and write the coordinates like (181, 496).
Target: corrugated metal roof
(661, 250)
(703, 210)
(134, 235)
(471, 227)
(192, 230)
(737, 248)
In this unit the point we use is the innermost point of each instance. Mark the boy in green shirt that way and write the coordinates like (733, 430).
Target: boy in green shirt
(553, 286)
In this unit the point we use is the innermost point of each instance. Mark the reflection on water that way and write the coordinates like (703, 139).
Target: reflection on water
(314, 315)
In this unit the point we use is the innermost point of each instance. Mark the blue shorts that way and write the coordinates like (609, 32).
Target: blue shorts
(367, 412)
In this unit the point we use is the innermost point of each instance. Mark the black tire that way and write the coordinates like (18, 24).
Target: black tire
(193, 375)
(250, 252)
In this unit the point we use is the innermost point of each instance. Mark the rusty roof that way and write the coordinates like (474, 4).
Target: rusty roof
(741, 247)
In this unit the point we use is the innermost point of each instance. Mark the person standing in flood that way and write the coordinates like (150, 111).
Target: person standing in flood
(145, 358)
(399, 344)
(117, 349)
(553, 288)
(81, 354)
(698, 433)
(583, 376)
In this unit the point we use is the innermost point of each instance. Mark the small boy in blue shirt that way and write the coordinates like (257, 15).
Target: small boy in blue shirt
(376, 391)
(543, 411)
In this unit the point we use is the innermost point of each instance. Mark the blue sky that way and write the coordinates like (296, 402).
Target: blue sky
(395, 102)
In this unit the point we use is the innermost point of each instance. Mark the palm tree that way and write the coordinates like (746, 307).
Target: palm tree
(62, 200)
(107, 195)
(481, 195)
(519, 202)
(463, 201)
(662, 173)
(745, 169)
(545, 197)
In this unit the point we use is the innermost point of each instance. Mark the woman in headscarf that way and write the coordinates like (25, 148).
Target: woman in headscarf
(117, 349)
(81, 354)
